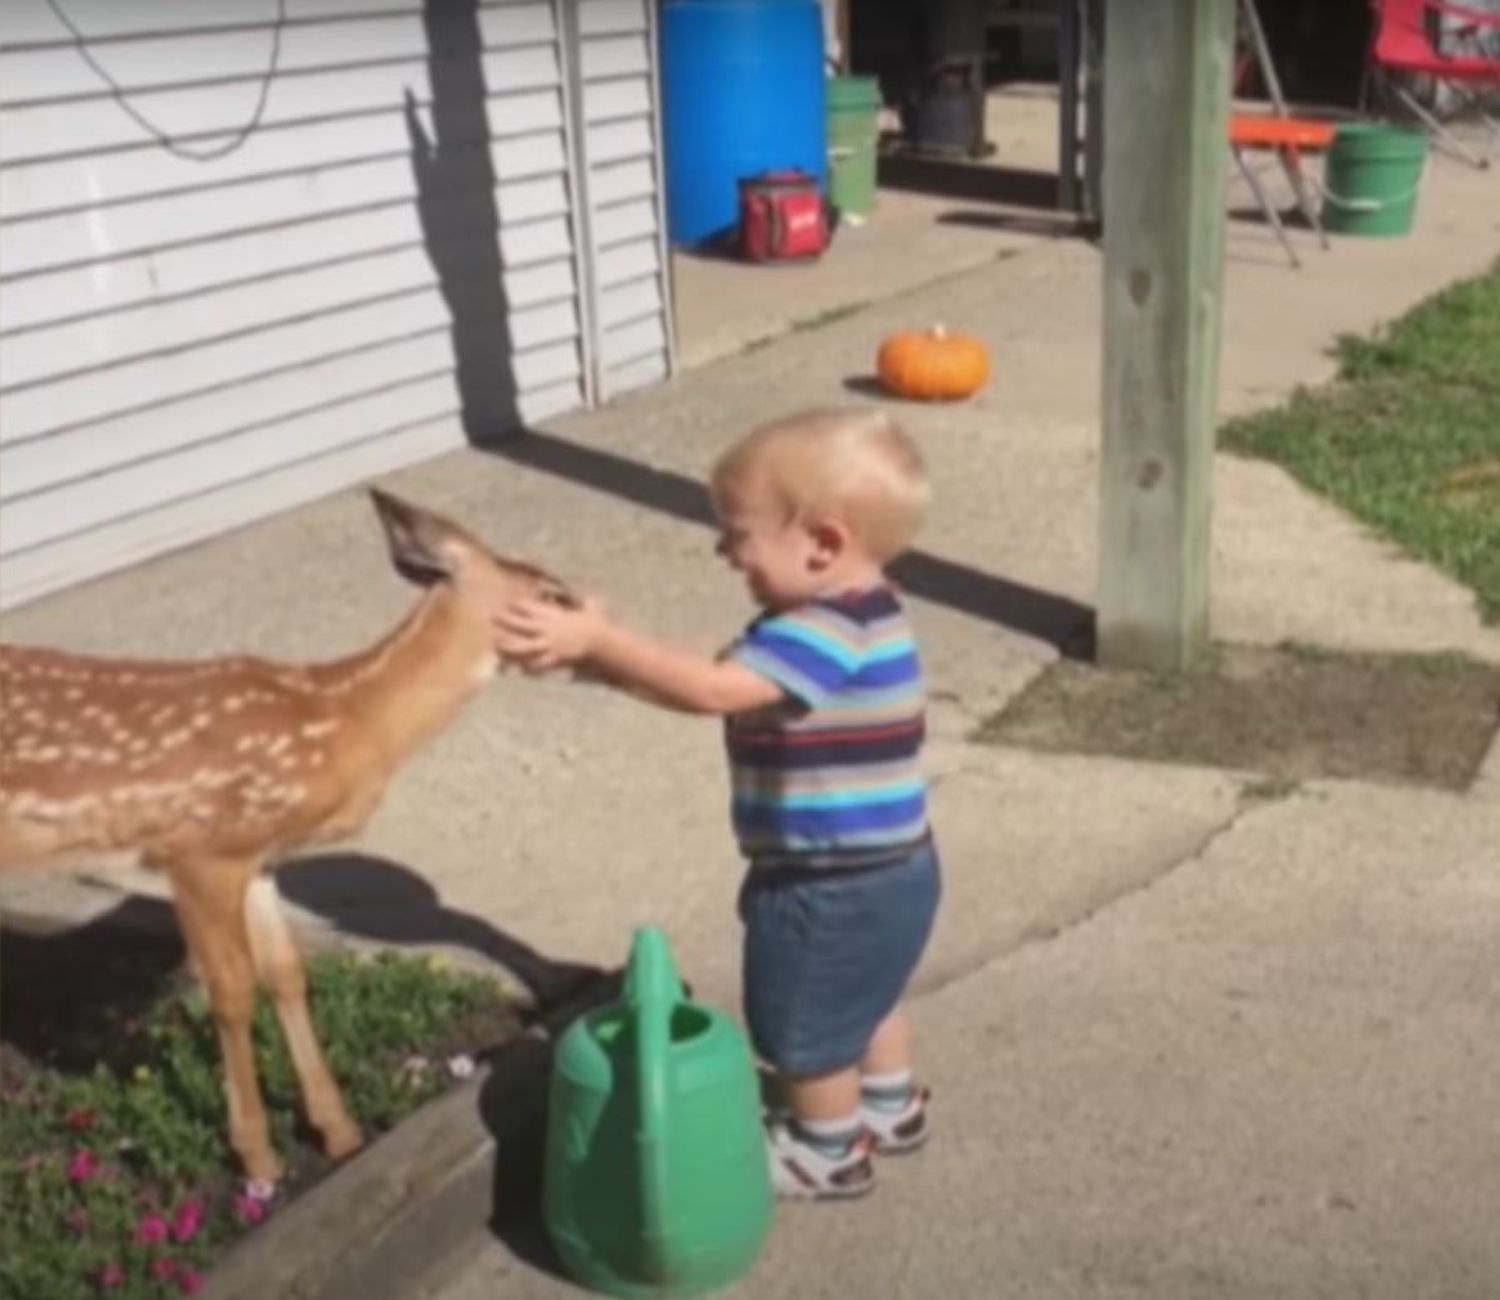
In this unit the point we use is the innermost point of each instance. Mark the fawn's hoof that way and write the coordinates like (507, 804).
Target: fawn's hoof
(340, 1140)
(263, 1168)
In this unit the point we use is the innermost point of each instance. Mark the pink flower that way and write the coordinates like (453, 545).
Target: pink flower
(83, 1166)
(251, 1209)
(151, 1231)
(187, 1220)
(111, 1275)
(78, 1222)
(163, 1270)
(189, 1282)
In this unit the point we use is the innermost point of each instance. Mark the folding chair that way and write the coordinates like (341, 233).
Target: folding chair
(1290, 138)
(1403, 43)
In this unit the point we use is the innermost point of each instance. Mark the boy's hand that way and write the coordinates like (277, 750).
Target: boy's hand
(539, 636)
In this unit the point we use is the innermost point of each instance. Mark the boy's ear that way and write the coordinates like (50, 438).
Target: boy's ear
(830, 540)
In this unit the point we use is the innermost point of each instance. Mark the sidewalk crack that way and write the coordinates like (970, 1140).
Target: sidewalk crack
(1040, 932)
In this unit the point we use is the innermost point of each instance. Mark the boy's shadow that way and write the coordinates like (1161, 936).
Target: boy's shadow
(513, 1107)
(374, 898)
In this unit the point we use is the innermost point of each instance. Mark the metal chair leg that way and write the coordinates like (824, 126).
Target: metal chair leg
(1271, 214)
(1438, 129)
(1291, 162)
(1476, 100)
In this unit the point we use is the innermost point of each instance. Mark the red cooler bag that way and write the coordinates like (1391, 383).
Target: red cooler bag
(782, 217)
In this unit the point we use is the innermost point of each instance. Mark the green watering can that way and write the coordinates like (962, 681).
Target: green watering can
(656, 1176)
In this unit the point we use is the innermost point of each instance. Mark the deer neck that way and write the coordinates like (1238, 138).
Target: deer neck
(405, 689)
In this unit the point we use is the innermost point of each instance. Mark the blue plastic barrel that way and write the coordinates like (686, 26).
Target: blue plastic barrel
(742, 93)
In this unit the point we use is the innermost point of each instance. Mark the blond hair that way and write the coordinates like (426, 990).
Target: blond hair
(853, 465)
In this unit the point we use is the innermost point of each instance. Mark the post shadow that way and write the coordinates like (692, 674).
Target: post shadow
(1058, 620)
(458, 209)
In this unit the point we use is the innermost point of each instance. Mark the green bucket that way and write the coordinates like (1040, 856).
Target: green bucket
(853, 103)
(1371, 181)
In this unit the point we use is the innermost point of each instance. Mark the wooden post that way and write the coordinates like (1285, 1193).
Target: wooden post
(1166, 91)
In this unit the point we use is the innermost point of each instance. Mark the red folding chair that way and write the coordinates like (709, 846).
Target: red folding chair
(1403, 42)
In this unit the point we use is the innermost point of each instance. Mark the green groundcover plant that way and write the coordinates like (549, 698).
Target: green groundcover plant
(1407, 439)
(120, 1181)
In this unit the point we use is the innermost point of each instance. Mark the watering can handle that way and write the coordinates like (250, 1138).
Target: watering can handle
(652, 990)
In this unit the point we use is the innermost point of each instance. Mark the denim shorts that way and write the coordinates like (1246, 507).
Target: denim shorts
(828, 953)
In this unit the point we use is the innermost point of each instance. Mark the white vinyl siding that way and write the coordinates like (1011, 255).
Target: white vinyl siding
(187, 344)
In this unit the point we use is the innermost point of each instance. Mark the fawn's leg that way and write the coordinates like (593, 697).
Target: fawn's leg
(209, 897)
(279, 966)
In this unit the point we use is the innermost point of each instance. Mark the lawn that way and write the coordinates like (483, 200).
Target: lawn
(1407, 439)
(115, 1175)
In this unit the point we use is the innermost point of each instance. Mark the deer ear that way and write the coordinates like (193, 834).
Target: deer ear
(424, 547)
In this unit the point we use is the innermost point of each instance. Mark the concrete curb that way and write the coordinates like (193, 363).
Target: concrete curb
(374, 1227)
(419, 1195)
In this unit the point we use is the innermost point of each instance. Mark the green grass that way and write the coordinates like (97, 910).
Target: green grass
(120, 1180)
(1407, 439)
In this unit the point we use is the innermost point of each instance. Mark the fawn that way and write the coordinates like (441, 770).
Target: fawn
(212, 771)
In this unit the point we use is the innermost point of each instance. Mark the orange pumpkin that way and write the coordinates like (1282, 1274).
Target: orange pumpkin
(933, 365)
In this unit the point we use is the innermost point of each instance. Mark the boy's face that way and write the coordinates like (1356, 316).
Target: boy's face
(782, 560)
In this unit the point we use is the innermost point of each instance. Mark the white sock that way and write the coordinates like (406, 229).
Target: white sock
(890, 1090)
(832, 1137)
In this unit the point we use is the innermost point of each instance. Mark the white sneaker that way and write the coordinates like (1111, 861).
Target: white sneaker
(801, 1171)
(897, 1131)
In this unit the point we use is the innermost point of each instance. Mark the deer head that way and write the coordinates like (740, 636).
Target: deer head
(427, 549)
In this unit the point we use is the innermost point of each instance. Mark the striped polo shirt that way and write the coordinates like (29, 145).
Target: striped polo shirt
(830, 777)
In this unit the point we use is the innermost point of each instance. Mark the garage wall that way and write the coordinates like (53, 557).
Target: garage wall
(254, 251)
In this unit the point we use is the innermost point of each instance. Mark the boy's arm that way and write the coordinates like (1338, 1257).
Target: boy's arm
(540, 637)
(679, 679)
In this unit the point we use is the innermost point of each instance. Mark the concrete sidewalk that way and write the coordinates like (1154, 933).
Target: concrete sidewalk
(1271, 1072)
(1185, 1043)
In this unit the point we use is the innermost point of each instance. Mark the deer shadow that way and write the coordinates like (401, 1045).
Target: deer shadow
(67, 997)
